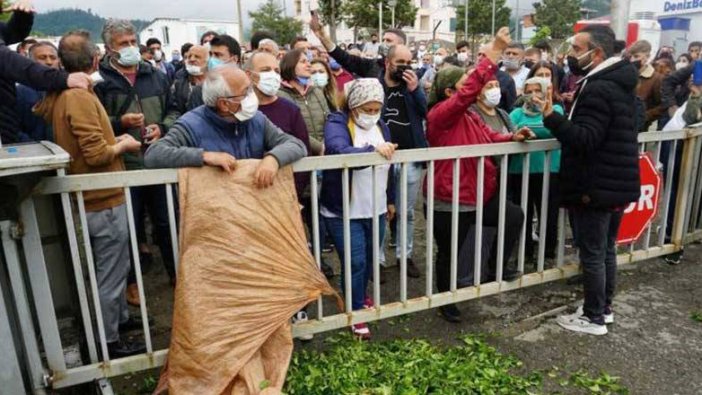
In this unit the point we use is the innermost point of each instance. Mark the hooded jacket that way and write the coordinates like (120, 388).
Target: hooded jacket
(599, 162)
(150, 95)
(17, 68)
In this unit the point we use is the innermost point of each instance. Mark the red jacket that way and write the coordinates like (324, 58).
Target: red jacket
(451, 123)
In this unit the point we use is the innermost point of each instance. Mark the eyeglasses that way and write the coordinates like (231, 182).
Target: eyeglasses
(235, 97)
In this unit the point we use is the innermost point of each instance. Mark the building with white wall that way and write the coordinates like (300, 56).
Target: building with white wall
(680, 20)
(174, 32)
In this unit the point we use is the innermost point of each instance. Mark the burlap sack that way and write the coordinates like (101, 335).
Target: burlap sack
(244, 270)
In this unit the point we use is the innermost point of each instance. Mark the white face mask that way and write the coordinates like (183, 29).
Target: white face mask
(158, 55)
(438, 60)
(129, 56)
(320, 79)
(462, 57)
(681, 65)
(268, 83)
(366, 121)
(492, 97)
(249, 107)
(193, 69)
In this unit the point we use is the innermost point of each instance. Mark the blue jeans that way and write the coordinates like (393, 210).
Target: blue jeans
(414, 181)
(596, 238)
(361, 253)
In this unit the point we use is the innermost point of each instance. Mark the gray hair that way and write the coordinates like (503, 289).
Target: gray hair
(214, 87)
(114, 27)
(39, 45)
(268, 41)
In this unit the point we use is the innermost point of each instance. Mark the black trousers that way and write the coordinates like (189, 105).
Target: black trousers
(514, 217)
(536, 182)
(597, 235)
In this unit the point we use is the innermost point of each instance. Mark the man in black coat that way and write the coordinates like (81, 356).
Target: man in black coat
(17, 68)
(599, 168)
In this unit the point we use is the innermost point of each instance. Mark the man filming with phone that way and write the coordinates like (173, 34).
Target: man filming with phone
(404, 111)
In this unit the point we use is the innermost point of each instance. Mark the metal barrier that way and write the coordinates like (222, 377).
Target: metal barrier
(52, 372)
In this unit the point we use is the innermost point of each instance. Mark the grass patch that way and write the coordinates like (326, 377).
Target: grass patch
(413, 367)
(696, 316)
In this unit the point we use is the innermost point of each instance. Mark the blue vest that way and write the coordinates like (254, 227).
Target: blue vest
(209, 131)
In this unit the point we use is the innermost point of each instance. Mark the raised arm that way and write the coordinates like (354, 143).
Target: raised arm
(367, 68)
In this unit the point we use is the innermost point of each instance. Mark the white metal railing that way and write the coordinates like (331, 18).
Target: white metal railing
(57, 375)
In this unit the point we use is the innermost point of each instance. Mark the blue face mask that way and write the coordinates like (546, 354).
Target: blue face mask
(213, 63)
(303, 80)
(334, 65)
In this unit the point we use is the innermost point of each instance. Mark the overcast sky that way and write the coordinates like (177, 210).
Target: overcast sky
(150, 9)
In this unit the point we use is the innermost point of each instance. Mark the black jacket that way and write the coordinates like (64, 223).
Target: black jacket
(181, 91)
(17, 68)
(599, 165)
(361, 67)
(674, 89)
(150, 95)
(508, 90)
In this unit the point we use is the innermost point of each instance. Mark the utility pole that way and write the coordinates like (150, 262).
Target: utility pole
(620, 18)
(465, 22)
(332, 25)
(241, 21)
(392, 4)
(380, 20)
(493, 18)
(518, 21)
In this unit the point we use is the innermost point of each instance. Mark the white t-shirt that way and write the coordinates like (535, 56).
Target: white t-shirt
(519, 78)
(361, 205)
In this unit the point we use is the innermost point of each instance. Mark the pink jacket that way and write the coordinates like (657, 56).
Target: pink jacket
(450, 123)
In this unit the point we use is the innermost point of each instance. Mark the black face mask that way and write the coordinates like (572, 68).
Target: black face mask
(636, 64)
(399, 71)
(574, 66)
(528, 64)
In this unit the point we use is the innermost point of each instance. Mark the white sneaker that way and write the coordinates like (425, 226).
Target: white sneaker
(608, 318)
(301, 316)
(581, 323)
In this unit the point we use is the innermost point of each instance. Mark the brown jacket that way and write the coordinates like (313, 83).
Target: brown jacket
(649, 90)
(81, 127)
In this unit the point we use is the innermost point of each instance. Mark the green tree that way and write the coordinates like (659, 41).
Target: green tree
(542, 33)
(269, 17)
(480, 16)
(330, 14)
(364, 13)
(480, 19)
(4, 16)
(558, 15)
(601, 7)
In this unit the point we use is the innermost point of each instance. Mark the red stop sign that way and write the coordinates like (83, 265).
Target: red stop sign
(640, 213)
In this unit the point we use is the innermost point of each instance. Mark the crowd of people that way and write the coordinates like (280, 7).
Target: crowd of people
(218, 101)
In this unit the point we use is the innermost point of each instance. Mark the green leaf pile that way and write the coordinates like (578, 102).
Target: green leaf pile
(407, 367)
